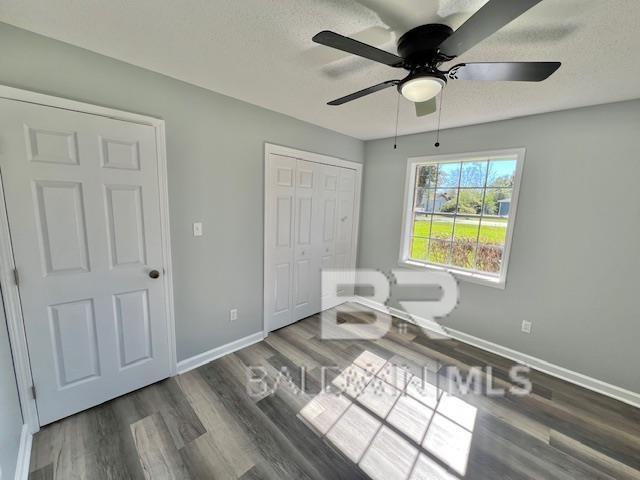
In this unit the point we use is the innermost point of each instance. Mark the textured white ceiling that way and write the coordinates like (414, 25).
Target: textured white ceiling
(261, 51)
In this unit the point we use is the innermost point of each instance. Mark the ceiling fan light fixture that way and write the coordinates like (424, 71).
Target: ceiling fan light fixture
(421, 89)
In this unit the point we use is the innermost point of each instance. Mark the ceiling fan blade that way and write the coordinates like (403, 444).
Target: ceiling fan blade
(349, 45)
(493, 15)
(362, 93)
(426, 108)
(509, 71)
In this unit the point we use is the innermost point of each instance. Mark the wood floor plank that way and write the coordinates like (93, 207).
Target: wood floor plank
(589, 456)
(328, 462)
(158, 454)
(89, 443)
(389, 456)
(60, 442)
(300, 384)
(166, 399)
(224, 432)
(204, 459)
(323, 354)
(614, 443)
(256, 354)
(112, 445)
(44, 473)
(530, 455)
(272, 443)
(182, 422)
(299, 357)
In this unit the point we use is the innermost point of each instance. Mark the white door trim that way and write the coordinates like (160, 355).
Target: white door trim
(271, 148)
(10, 294)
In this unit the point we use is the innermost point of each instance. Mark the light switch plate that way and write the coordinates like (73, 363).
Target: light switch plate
(197, 229)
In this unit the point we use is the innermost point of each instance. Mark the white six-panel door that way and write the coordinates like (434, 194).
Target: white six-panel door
(84, 212)
(309, 226)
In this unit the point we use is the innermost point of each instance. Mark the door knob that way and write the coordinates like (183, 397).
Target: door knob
(154, 274)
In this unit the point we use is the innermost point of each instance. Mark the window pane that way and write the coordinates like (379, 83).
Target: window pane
(419, 248)
(470, 201)
(489, 258)
(448, 174)
(424, 199)
(493, 230)
(501, 173)
(463, 254)
(422, 226)
(466, 229)
(439, 251)
(426, 176)
(460, 212)
(446, 200)
(473, 174)
(442, 227)
(497, 201)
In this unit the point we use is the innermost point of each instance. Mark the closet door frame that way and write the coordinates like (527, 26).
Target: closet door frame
(269, 149)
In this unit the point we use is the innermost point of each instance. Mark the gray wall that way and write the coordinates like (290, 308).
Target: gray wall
(575, 255)
(10, 415)
(215, 148)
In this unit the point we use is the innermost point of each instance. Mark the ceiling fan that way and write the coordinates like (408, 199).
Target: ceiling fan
(423, 49)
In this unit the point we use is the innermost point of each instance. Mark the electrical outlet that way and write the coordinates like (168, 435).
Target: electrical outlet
(197, 229)
(233, 314)
(526, 326)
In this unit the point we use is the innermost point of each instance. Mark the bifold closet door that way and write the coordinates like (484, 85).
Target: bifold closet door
(308, 227)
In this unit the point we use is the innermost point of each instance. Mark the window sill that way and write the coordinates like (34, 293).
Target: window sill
(458, 274)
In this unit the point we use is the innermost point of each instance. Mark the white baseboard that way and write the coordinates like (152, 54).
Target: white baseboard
(24, 454)
(209, 356)
(613, 391)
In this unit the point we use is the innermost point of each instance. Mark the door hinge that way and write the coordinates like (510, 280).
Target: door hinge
(33, 391)
(16, 277)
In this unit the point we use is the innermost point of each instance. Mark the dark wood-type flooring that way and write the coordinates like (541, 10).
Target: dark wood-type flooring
(212, 423)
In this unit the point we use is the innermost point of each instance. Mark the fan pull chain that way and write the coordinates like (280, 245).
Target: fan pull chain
(395, 138)
(437, 144)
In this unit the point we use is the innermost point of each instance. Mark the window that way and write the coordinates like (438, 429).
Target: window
(459, 213)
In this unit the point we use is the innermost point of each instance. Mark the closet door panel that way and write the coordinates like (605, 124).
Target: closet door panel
(306, 218)
(279, 241)
(326, 226)
(344, 256)
(346, 203)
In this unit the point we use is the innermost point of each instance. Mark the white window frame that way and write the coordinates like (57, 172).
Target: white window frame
(498, 281)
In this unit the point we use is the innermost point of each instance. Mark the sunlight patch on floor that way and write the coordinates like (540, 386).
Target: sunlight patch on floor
(393, 424)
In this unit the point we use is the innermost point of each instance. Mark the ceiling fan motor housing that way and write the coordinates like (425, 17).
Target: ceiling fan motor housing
(419, 46)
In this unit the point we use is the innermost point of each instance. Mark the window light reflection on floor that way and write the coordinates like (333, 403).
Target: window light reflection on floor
(380, 399)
